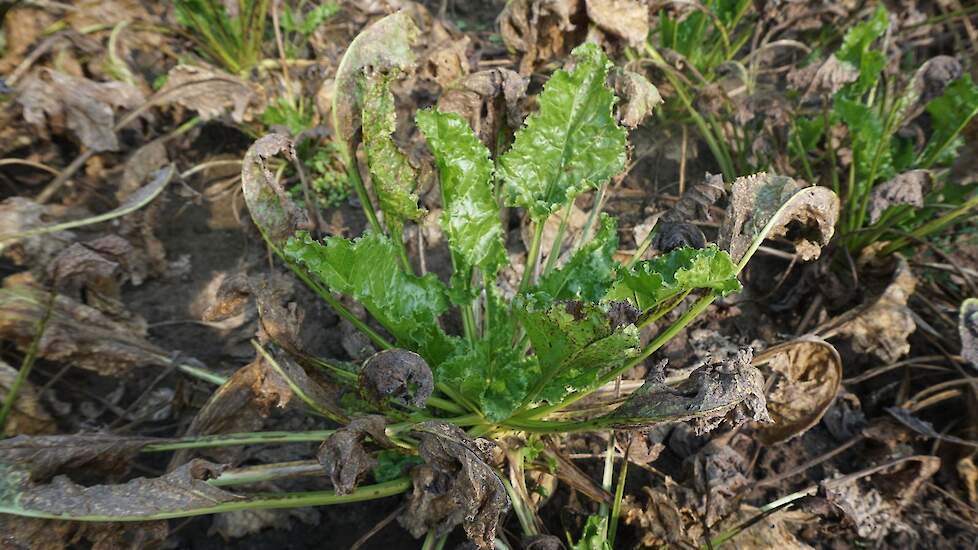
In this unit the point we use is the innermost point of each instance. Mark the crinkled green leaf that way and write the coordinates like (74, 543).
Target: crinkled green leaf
(866, 135)
(367, 270)
(950, 113)
(856, 51)
(576, 342)
(471, 216)
(593, 536)
(654, 282)
(590, 271)
(571, 144)
(394, 179)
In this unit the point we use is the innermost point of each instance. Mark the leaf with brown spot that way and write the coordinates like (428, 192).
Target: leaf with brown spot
(712, 393)
(489, 101)
(211, 93)
(47, 455)
(88, 108)
(398, 375)
(764, 206)
(345, 456)
(27, 416)
(270, 206)
(458, 473)
(907, 188)
(808, 375)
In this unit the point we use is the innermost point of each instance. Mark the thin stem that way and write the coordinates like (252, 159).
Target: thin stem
(619, 495)
(533, 255)
(28, 363)
(559, 239)
(232, 439)
(268, 472)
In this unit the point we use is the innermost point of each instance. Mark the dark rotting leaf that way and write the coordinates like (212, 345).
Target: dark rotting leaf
(272, 210)
(621, 313)
(455, 485)
(46, 455)
(345, 455)
(673, 235)
(399, 375)
(907, 188)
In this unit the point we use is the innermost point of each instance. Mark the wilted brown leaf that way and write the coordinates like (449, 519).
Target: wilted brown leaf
(672, 235)
(44, 456)
(76, 334)
(210, 93)
(19, 214)
(271, 208)
(718, 473)
(934, 76)
(808, 374)
(456, 485)
(20, 533)
(27, 416)
(820, 81)
(705, 399)
(637, 96)
(399, 375)
(242, 523)
(626, 19)
(87, 108)
(488, 100)
(907, 188)
(344, 455)
(882, 325)
(807, 215)
(540, 29)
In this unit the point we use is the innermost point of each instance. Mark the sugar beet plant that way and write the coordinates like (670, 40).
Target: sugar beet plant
(436, 393)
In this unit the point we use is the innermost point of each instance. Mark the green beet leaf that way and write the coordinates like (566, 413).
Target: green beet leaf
(393, 177)
(471, 217)
(856, 51)
(950, 113)
(575, 342)
(571, 144)
(866, 134)
(651, 283)
(590, 271)
(366, 269)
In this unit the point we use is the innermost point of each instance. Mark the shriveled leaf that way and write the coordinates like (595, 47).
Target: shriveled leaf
(670, 236)
(488, 100)
(711, 393)
(243, 523)
(396, 374)
(88, 108)
(393, 177)
(695, 202)
(950, 113)
(718, 473)
(383, 46)
(764, 206)
(571, 144)
(968, 331)
(651, 283)
(460, 470)
(590, 271)
(211, 93)
(934, 76)
(808, 374)
(367, 270)
(269, 204)
(470, 218)
(819, 81)
(27, 416)
(908, 188)
(345, 456)
(577, 342)
(626, 19)
(541, 29)
(182, 489)
(23, 533)
(44, 456)
(638, 96)
(76, 334)
(23, 216)
(882, 325)
(925, 428)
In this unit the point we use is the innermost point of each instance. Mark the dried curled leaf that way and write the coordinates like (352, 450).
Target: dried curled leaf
(184, 488)
(345, 456)
(488, 100)
(626, 19)
(44, 456)
(76, 333)
(934, 77)
(399, 375)
(541, 29)
(695, 202)
(270, 206)
(705, 399)
(638, 96)
(968, 330)
(673, 235)
(27, 416)
(383, 46)
(764, 205)
(820, 81)
(87, 107)
(210, 93)
(808, 375)
(907, 188)
(883, 325)
(460, 486)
